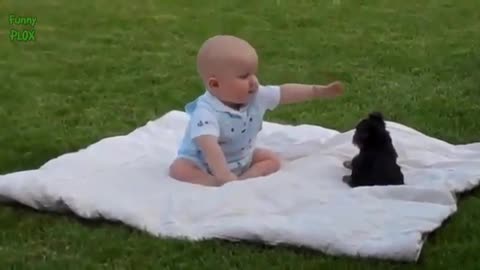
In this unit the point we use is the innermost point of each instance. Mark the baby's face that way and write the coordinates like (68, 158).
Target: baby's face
(238, 82)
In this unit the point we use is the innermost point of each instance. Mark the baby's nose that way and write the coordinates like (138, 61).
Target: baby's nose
(253, 82)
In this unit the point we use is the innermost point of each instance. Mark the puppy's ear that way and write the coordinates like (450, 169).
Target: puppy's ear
(360, 136)
(376, 116)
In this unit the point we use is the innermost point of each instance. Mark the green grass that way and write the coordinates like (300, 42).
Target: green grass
(102, 68)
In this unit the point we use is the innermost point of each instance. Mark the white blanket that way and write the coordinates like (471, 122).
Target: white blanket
(124, 178)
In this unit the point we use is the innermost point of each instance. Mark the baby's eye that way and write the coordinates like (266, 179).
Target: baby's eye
(244, 76)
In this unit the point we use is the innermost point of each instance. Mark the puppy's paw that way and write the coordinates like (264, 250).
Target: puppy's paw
(347, 164)
(347, 179)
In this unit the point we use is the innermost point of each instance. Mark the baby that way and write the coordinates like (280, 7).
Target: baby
(219, 144)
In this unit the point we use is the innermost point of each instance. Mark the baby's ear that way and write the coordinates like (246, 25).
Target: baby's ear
(213, 83)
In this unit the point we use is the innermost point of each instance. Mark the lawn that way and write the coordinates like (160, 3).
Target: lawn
(102, 68)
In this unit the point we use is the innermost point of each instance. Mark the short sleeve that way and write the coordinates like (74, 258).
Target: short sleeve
(203, 122)
(268, 97)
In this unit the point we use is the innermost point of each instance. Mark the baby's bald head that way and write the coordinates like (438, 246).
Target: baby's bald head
(227, 66)
(219, 54)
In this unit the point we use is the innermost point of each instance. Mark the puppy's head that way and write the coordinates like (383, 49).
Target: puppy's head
(371, 132)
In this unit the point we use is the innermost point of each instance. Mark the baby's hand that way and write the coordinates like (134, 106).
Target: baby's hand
(329, 91)
(215, 159)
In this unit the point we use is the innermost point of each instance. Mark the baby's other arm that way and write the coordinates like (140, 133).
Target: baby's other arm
(205, 131)
(215, 158)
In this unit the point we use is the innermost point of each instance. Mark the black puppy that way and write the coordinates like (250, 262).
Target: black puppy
(376, 163)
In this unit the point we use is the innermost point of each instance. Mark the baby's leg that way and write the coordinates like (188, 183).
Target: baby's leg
(187, 171)
(264, 162)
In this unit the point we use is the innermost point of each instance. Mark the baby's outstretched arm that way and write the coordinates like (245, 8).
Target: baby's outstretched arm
(215, 158)
(296, 93)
